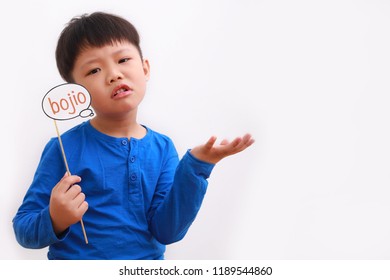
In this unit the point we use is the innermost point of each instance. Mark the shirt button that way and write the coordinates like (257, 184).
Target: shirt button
(133, 177)
(124, 142)
(132, 159)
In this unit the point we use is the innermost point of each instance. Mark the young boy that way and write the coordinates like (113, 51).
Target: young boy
(140, 196)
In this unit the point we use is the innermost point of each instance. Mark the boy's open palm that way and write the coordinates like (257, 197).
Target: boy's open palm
(67, 203)
(212, 153)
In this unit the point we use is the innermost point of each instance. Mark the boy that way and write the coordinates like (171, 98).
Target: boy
(140, 197)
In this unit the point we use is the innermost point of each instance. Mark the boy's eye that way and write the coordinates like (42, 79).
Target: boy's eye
(93, 71)
(123, 60)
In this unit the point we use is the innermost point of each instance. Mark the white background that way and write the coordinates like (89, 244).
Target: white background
(309, 80)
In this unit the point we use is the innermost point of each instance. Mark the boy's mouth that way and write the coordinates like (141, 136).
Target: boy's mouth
(121, 91)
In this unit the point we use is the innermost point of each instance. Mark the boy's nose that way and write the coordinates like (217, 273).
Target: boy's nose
(114, 76)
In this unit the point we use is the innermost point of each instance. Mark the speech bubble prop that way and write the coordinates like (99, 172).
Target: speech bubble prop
(66, 102)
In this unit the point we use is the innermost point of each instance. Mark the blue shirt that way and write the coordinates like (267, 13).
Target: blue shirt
(140, 196)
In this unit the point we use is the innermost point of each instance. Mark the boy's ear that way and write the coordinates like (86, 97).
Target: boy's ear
(146, 67)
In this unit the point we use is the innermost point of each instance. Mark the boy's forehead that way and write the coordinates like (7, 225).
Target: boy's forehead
(87, 47)
(107, 49)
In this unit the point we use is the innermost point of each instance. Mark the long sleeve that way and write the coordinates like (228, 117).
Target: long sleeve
(32, 223)
(176, 212)
(140, 196)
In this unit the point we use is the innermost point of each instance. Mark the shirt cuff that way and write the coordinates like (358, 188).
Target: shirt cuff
(201, 167)
(51, 237)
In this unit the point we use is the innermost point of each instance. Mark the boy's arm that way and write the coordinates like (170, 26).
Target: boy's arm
(175, 209)
(170, 221)
(33, 229)
(32, 223)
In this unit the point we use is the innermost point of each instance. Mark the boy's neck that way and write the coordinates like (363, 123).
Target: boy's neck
(128, 128)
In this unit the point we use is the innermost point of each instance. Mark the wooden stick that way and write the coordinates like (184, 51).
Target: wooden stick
(67, 170)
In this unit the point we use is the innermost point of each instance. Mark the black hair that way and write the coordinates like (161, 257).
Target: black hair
(95, 30)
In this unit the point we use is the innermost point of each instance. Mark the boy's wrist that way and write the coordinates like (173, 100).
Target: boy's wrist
(58, 227)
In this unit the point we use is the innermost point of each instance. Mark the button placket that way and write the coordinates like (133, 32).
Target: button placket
(134, 184)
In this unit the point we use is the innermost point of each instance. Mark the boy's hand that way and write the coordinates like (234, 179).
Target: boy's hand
(67, 203)
(214, 153)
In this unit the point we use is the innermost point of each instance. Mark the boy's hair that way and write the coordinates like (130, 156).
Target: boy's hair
(95, 30)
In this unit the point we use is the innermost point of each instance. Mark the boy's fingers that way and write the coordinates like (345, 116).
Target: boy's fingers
(236, 142)
(249, 139)
(66, 182)
(79, 199)
(83, 207)
(240, 143)
(245, 141)
(73, 191)
(224, 142)
(210, 143)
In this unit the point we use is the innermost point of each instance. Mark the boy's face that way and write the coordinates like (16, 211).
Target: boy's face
(115, 76)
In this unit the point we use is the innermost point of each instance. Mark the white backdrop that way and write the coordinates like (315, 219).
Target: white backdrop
(309, 80)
